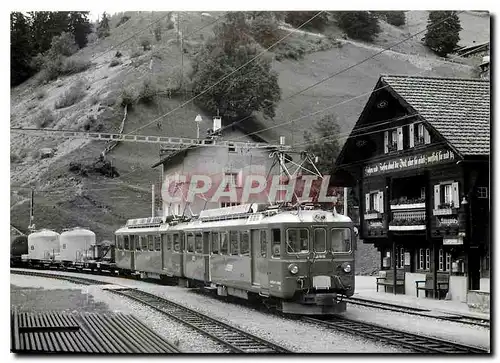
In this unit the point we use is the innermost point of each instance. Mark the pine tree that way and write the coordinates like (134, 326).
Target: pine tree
(443, 32)
(103, 27)
(80, 27)
(361, 25)
(20, 48)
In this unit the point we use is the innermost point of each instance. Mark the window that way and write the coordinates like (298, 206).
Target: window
(420, 139)
(169, 241)
(230, 179)
(233, 237)
(64, 246)
(119, 242)
(421, 259)
(244, 243)
(140, 241)
(297, 240)
(427, 259)
(482, 192)
(126, 244)
(422, 192)
(232, 148)
(320, 240)
(224, 241)
(190, 242)
(177, 242)
(394, 139)
(215, 243)
(441, 260)
(150, 243)
(446, 194)
(374, 201)
(448, 261)
(341, 240)
(276, 244)
(228, 204)
(400, 258)
(32, 247)
(198, 243)
(157, 241)
(263, 244)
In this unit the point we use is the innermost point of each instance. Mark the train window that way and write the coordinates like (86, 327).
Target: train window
(119, 242)
(150, 243)
(297, 240)
(233, 237)
(244, 243)
(157, 243)
(263, 244)
(215, 243)
(134, 241)
(190, 242)
(320, 240)
(177, 242)
(276, 242)
(341, 240)
(198, 243)
(224, 239)
(144, 243)
(126, 243)
(169, 239)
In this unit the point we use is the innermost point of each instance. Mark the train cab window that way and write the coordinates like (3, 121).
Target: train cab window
(198, 243)
(297, 240)
(144, 243)
(276, 243)
(169, 242)
(320, 240)
(245, 243)
(233, 238)
(224, 241)
(263, 244)
(157, 241)
(150, 243)
(177, 242)
(190, 242)
(126, 243)
(215, 243)
(119, 242)
(341, 240)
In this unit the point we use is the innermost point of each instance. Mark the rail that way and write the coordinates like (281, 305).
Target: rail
(73, 279)
(230, 337)
(418, 343)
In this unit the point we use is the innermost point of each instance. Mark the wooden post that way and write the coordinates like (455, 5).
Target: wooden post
(434, 267)
(393, 259)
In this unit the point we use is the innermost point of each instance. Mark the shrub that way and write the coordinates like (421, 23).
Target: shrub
(396, 18)
(74, 65)
(297, 18)
(70, 97)
(118, 54)
(136, 53)
(114, 63)
(147, 92)
(127, 98)
(157, 32)
(41, 94)
(63, 44)
(145, 43)
(44, 118)
(265, 30)
(123, 20)
(92, 38)
(361, 25)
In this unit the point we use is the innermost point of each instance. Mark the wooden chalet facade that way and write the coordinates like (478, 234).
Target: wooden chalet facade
(418, 158)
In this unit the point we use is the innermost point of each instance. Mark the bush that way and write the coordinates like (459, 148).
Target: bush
(297, 18)
(123, 20)
(146, 43)
(148, 91)
(265, 30)
(44, 118)
(361, 25)
(63, 44)
(41, 94)
(114, 63)
(118, 54)
(136, 53)
(74, 65)
(157, 32)
(72, 96)
(396, 18)
(127, 98)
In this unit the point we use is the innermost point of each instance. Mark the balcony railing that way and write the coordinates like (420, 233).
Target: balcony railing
(410, 220)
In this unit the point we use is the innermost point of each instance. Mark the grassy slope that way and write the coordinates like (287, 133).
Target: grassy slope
(66, 200)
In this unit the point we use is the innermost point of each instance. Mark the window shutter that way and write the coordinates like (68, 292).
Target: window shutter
(454, 194)
(381, 202)
(367, 202)
(386, 142)
(437, 196)
(400, 138)
(239, 179)
(412, 135)
(427, 136)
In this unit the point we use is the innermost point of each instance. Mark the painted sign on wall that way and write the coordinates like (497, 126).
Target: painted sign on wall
(410, 162)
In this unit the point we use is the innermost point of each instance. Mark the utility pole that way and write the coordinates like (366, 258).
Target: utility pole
(179, 35)
(32, 207)
(152, 200)
(345, 201)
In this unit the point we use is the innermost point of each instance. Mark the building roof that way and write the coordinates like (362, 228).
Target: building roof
(459, 109)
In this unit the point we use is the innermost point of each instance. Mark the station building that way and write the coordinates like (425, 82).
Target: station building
(418, 159)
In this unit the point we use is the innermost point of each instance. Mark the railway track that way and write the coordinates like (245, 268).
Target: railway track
(233, 339)
(419, 312)
(418, 343)
(74, 279)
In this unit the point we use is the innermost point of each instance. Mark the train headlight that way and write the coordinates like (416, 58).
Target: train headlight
(347, 268)
(293, 268)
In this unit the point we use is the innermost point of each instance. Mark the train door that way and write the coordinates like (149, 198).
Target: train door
(134, 240)
(259, 258)
(206, 255)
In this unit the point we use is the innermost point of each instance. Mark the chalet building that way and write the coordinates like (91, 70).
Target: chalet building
(419, 160)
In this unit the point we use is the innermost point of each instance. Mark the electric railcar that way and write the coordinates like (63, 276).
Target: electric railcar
(299, 260)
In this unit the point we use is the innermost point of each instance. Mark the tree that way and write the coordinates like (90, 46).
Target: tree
(20, 49)
(443, 29)
(325, 145)
(396, 18)
(297, 18)
(252, 88)
(80, 27)
(103, 27)
(361, 25)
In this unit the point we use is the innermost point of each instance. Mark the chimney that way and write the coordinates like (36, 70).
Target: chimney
(217, 123)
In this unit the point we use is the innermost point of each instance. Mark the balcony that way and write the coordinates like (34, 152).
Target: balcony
(445, 209)
(411, 220)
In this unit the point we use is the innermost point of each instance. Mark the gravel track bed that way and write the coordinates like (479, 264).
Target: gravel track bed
(454, 332)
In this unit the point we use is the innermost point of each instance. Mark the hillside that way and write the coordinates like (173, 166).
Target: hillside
(64, 199)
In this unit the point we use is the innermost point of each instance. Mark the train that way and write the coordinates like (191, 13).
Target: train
(299, 260)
